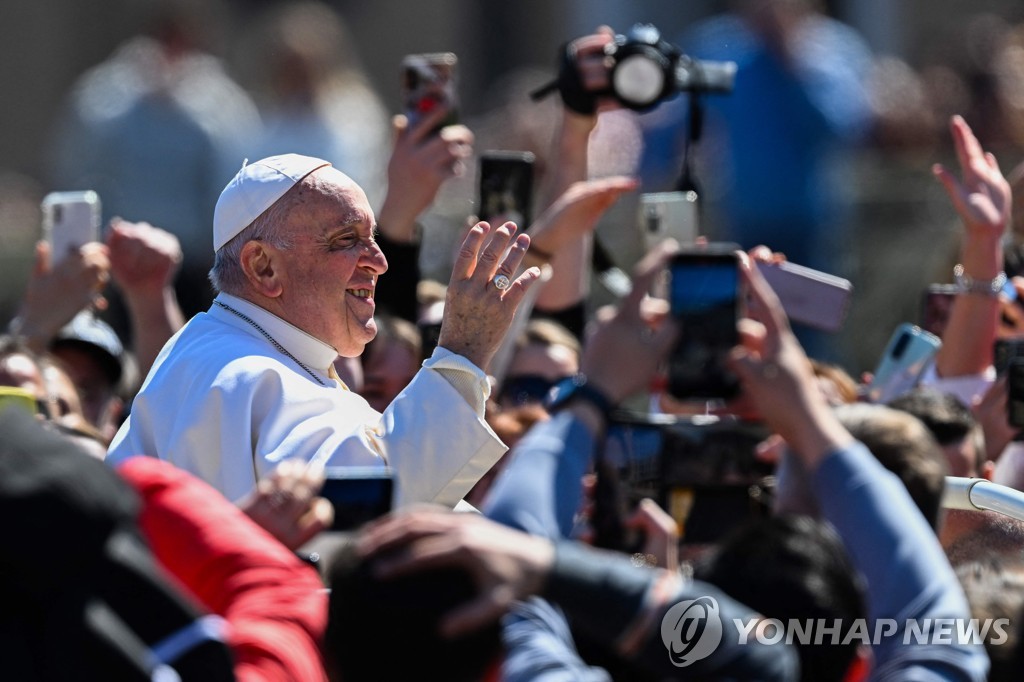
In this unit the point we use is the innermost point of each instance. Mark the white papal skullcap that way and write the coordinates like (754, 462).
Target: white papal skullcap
(254, 189)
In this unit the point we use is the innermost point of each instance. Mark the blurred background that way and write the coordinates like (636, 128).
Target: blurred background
(154, 103)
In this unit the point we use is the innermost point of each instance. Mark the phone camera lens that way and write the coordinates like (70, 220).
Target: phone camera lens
(901, 346)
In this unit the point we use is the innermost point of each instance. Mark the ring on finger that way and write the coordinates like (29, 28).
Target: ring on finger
(502, 282)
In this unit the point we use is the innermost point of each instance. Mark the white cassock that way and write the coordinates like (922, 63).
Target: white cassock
(224, 404)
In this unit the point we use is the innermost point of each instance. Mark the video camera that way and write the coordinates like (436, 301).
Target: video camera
(701, 469)
(645, 69)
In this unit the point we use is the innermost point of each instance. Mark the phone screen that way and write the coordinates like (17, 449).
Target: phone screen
(429, 82)
(703, 295)
(506, 187)
(358, 495)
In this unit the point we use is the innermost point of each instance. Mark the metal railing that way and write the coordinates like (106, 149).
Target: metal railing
(980, 494)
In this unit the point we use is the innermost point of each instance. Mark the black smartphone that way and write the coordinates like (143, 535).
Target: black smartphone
(1004, 351)
(429, 82)
(704, 296)
(1015, 389)
(358, 494)
(506, 187)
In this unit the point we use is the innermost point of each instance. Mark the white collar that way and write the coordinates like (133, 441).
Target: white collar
(306, 348)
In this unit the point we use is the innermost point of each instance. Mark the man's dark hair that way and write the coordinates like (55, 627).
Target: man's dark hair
(384, 630)
(792, 567)
(949, 420)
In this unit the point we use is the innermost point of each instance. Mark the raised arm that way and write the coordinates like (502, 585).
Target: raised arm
(981, 197)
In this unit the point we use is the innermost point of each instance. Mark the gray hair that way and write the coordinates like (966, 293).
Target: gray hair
(270, 226)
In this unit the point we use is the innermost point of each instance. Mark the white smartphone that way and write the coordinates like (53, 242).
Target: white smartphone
(905, 359)
(666, 215)
(70, 220)
(811, 297)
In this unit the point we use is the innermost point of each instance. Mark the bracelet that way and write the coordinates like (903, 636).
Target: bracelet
(969, 285)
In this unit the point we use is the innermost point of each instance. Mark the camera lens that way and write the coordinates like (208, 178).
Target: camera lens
(901, 346)
(638, 80)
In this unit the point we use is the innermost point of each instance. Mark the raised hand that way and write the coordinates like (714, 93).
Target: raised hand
(55, 294)
(478, 312)
(982, 196)
(420, 163)
(143, 258)
(576, 212)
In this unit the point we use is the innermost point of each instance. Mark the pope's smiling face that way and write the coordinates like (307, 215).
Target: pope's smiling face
(329, 273)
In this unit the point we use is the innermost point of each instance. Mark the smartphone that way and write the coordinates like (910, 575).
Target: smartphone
(70, 220)
(506, 187)
(1015, 388)
(704, 296)
(810, 297)
(936, 305)
(18, 399)
(1004, 351)
(358, 494)
(905, 358)
(665, 215)
(429, 82)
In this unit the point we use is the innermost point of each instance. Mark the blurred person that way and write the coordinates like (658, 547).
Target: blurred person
(390, 361)
(774, 149)
(954, 427)
(103, 608)
(313, 95)
(297, 267)
(545, 353)
(155, 129)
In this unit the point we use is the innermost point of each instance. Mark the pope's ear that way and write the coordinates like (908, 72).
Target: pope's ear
(258, 262)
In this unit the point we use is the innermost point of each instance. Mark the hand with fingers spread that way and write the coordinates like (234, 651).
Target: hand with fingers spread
(58, 292)
(982, 196)
(482, 296)
(420, 163)
(506, 564)
(285, 503)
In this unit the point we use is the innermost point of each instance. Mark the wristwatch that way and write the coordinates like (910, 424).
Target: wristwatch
(969, 285)
(574, 388)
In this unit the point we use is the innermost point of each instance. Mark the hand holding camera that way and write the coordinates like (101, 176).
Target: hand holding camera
(638, 70)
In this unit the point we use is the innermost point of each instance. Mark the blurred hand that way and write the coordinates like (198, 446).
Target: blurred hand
(55, 294)
(477, 314)
(420, 163)
(286, 505)
(777, 374)
(660, 531)
(506, 564)
(628, 334)
(982, 196)
(143, 259)
(990, 412)
(576, 212)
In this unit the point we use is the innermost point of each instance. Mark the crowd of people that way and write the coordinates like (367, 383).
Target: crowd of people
(166, 480)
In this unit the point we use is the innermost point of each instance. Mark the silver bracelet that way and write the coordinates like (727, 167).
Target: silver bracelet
(969, 285)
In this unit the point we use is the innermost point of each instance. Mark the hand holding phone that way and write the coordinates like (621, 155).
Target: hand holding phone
(704, 296)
